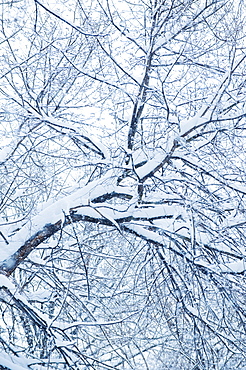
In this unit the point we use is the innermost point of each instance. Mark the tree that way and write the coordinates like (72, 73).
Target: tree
(122, 185)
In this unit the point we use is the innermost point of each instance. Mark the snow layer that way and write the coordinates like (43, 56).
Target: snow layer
(15, 363)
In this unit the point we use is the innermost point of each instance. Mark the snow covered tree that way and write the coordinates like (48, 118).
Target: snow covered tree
(122, 185)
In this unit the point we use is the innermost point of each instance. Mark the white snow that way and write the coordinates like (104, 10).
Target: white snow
(187, 125)
(192, 310)
(40, 295)
(140, 230)
(161, 41)
(231, 267)
(79, 201)
(15, 363)
(5, 152)
(151, 164)
(55, 212)
(5, 282)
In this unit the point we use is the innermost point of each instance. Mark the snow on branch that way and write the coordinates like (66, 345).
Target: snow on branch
(88, 140)
(8, 362)
(55, 216)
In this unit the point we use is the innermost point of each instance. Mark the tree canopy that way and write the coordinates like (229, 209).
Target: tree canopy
(122, 185)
